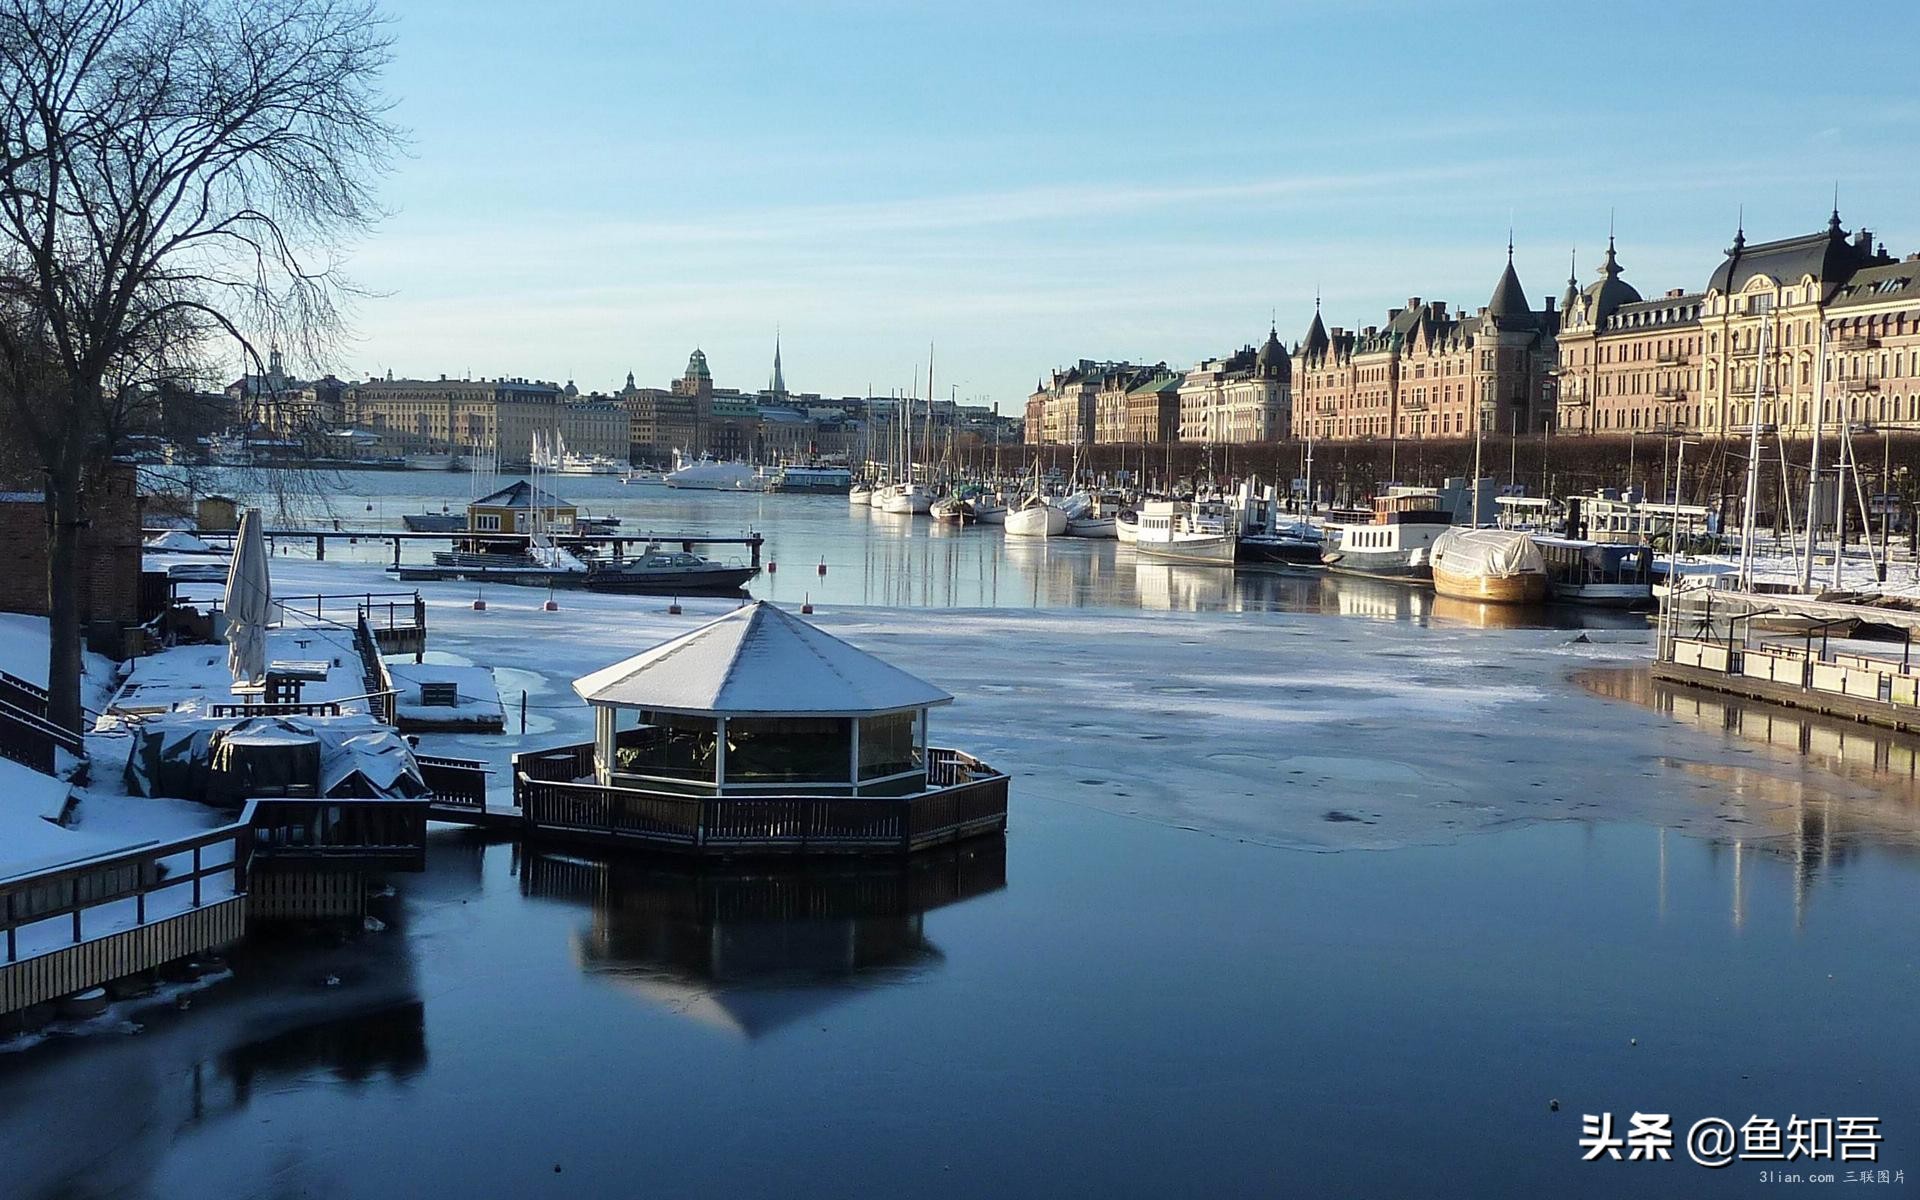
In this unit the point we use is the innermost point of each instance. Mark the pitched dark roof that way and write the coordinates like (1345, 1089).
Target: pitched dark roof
(1829, 256)
(1509, 298)
(521, 494)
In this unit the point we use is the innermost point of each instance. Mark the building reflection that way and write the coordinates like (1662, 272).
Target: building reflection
(751, 949)
(1863, 794)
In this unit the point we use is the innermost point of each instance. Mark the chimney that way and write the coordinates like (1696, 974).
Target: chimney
(1550, 303)
(1413, 302)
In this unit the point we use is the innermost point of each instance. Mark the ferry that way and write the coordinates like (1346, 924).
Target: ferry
(1201, 533)
(1397, 543)
(1613, 574)
(1493, 566)
(591, 464)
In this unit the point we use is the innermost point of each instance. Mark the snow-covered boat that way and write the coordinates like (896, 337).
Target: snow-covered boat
(1494, 566)
(430, 462)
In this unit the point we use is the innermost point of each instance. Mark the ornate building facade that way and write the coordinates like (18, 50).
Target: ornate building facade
(1246, 397)
(1430, 373)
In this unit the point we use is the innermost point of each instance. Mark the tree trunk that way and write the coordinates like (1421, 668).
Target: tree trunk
(65, 523)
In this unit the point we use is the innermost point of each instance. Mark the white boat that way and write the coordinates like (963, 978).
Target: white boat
(430, 462)
(590, 464)
(707, 475)
(861, 496)
(1092, 527)
(1397, 543)
(905, 499)
(951, 509)
(1126, 526)
(644, 478)
(1178, 532)
(1036, 518)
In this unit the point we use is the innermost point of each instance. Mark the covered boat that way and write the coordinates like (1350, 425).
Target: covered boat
(1497, 566)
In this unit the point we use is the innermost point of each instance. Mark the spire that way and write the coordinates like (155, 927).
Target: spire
(1509, 298)
(1833, 222)
(779, 388)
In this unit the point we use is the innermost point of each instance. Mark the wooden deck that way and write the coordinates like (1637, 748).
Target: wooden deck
(965, 799)
(1902, 718)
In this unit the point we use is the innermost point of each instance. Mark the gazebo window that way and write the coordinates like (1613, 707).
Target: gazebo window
(668, 745)
(787, 749)
(888, 745)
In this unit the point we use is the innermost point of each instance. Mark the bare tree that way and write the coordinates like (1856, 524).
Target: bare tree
(171, 172)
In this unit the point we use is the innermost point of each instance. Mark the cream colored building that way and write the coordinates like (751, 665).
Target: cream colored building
(1245, 397)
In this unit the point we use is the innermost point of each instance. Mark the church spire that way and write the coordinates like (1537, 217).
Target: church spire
(779, 388)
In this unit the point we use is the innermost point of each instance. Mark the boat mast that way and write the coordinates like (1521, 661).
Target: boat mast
(1753, 461)
(1813, 465)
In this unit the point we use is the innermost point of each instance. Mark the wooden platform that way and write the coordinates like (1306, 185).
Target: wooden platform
(1898, 717)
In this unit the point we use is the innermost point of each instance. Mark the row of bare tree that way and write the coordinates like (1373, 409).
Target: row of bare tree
(176, 176)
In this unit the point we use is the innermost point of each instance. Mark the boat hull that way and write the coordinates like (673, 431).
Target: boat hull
(906, 506)
(1602, 595)
(1292, 551)
(861, 497)
(1527, 588)
(1197, 551)
(989, 516)
(1042, 520)
(678, 582)
(1128, 532)
(1092, 527)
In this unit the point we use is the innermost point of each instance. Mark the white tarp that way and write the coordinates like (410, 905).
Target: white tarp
(249, 603)
(1488, 553)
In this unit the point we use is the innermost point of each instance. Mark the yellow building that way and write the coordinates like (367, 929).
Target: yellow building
(521, 508)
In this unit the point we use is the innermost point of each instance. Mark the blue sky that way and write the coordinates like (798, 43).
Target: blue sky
(595, 188)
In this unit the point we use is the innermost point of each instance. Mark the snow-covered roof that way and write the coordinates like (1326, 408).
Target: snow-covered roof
(521, 494)
(758, 660)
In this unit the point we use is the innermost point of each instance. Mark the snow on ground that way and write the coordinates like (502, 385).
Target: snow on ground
(23, 653)
(479, 699)
(1289, 729)
(190, 678)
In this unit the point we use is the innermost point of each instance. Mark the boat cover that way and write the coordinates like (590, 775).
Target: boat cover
(1489, 553)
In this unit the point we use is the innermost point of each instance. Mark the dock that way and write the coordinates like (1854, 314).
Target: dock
(753, 540)
(1721, 643)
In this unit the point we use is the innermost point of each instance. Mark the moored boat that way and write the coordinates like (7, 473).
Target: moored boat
(1614, 575)
(905, 499)
(1175, 531)
(832, 481)
(988, 509)
(1036, 518)
(708, 475)
(1126, 526)
(660, 572)
(1494, 566)
(1396, 544)
(860, 495)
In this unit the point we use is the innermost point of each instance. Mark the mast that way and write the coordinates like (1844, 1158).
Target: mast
(1753, 461)
(1813, 466)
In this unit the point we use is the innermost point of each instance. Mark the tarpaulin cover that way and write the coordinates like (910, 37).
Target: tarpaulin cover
(1489, 553)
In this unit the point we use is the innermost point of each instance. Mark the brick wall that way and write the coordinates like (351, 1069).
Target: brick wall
(110, 557)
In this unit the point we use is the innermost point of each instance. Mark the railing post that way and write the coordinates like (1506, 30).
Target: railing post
(196, 876)
(13, 950)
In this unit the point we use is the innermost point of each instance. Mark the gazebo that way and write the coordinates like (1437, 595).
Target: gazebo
(759, 731)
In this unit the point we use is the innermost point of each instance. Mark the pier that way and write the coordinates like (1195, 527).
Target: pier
(617, 542)
(1720, 641)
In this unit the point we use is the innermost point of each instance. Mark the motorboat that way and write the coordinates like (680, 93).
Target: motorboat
(590, 464)
(644, 478)
(1493, 566)
(1298, 544)
(832, 481)
(659, 572)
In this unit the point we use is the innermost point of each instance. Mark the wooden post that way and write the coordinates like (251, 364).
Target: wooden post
(719, 755)
(319, 548)
(853, 757)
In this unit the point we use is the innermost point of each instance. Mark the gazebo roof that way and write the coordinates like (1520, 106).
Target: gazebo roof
(758, 660)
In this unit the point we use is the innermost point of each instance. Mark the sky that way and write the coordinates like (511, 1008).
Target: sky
(596, 188)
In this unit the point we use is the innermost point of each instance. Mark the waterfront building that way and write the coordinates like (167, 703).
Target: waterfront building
(1245, 397)
(1153, 408)
(1422, 374)
(1627, 363)
(1064, 407)
(467, 416)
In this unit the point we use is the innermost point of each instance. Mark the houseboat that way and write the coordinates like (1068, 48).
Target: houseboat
(1492, 566)
(830, 481)
(1397, 543)
(1612, 574)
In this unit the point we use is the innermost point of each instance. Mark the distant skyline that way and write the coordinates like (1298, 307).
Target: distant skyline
(607, 186)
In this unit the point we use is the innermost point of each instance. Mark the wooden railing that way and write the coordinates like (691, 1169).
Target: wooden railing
(379, 682)
(342, 833)
(455, 782)
(96, 896)
(965, 797)
(23, 694)
(277, 708)
(33, 741)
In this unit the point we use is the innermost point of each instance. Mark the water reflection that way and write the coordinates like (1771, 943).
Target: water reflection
(1827, 792)
(749, 950)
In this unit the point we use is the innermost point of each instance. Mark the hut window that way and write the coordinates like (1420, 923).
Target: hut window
(669, 745)
(887, 745)
(781, 749)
